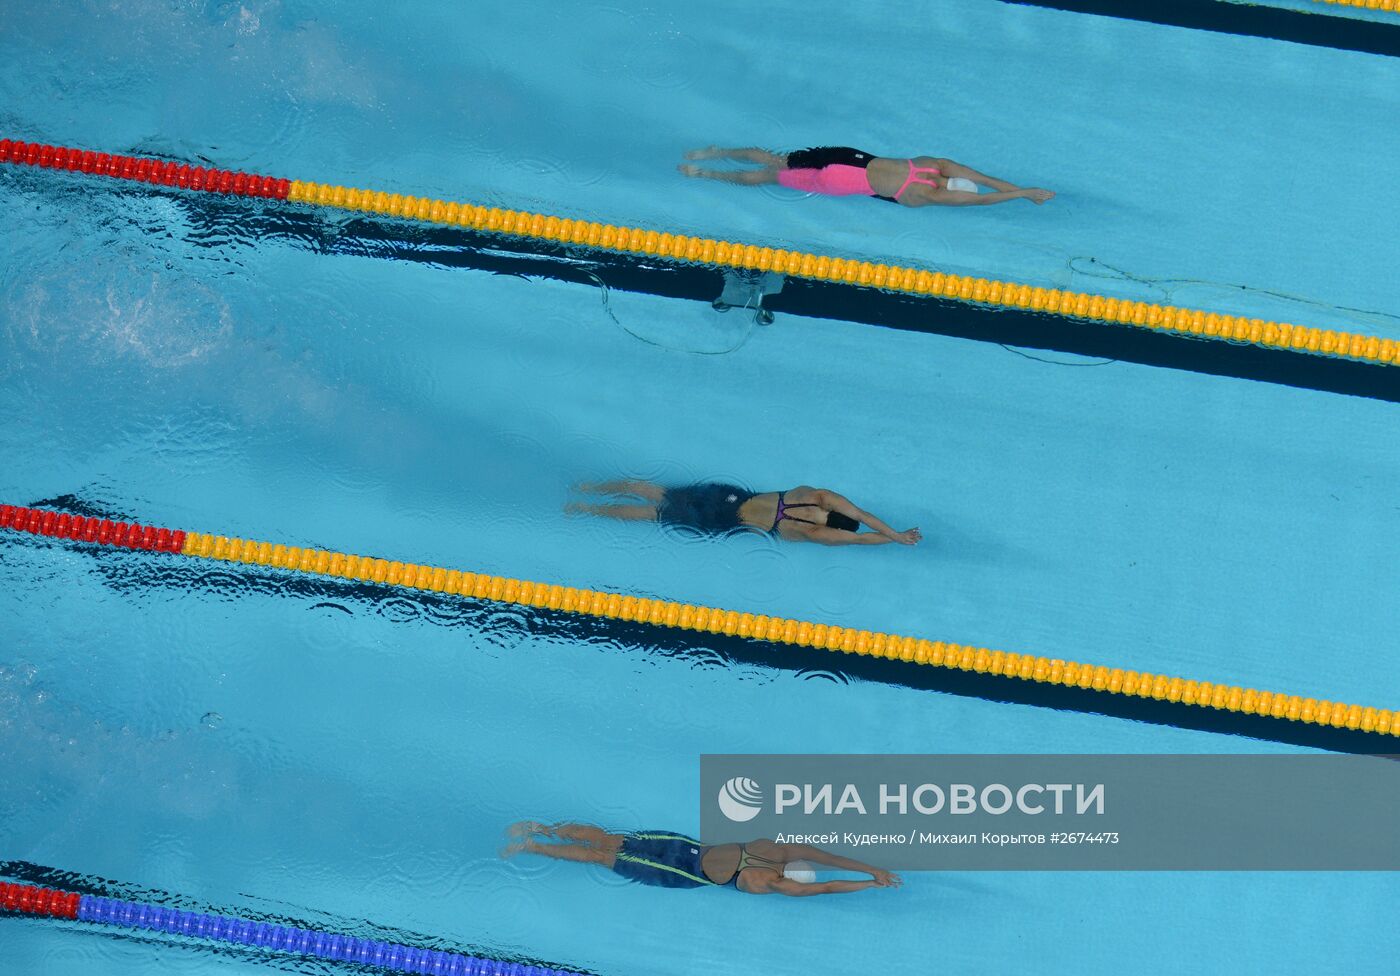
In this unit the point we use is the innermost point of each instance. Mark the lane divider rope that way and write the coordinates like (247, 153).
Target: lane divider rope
(1392, 5)
(704, 250)
(52, 903)
(669, 613)
(143, 169)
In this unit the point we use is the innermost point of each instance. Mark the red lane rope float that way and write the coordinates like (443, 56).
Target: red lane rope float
(32, 900)
(144, 170)
(61, 525)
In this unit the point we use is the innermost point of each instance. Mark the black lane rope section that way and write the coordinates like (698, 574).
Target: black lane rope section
(1318, 29)
(452, 247)
(130, 573)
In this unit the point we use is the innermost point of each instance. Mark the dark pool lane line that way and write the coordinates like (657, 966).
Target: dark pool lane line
(455, 248)
(217, 223)
(1320, 29)
(583, 632)
(997, 688)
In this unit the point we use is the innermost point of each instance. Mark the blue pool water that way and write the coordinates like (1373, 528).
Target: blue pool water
(340, 754)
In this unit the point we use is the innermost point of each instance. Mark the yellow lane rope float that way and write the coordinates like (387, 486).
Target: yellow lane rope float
(713, 620)
(704, 250)
(802, 264)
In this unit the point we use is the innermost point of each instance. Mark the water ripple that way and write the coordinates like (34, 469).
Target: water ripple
(506, 627)
(399, 609)
(818, 674)
(120, 312)
(673, 61)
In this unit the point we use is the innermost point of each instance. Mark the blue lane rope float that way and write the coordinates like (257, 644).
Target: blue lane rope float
(32, 900)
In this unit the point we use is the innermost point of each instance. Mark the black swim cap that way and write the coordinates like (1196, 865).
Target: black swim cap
(835, 520)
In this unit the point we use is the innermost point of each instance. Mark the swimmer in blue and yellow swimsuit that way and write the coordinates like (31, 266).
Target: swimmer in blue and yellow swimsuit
(666, 859)
(801, 514)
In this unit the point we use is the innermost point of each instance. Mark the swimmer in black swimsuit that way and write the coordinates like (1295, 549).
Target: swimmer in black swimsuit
(801, 514)
(666, 859)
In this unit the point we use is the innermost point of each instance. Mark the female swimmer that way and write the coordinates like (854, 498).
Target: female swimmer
(922, 181)
(800, 514)
(670, 860)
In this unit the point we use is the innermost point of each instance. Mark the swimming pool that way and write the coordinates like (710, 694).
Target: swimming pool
(347, 754)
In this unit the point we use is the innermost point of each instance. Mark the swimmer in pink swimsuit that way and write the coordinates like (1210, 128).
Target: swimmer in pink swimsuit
(839, 171)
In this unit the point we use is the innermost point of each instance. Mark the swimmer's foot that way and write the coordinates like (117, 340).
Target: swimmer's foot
(692, 171)
(709, 152)
(524, 828)
(578, 508)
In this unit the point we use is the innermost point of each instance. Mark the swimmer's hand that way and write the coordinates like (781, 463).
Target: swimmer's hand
(886, 879)
(908, 537)
(1038, 195)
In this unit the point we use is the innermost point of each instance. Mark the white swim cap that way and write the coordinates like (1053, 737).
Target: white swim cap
(958, 183)
(800, 871)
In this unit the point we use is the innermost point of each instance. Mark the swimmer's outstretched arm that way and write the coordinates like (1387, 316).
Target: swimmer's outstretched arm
(957, 198)
(796, 889)
(806, 852)
(837, 502)
(840, 537)
(951, 168)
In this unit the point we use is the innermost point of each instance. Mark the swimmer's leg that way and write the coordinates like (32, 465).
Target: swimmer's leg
(641, 489)
(628, 513)
(524, 828)
(744, 177)
(564, 852)
(587, 834)
(750, 155)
